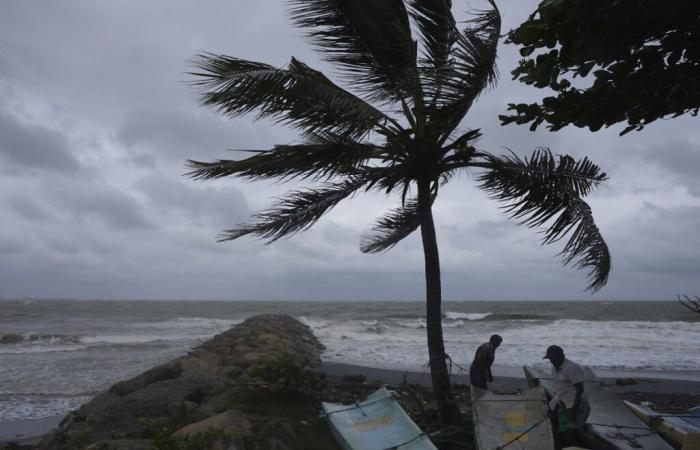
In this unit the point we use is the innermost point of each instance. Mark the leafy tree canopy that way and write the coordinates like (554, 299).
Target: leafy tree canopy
(643, 57)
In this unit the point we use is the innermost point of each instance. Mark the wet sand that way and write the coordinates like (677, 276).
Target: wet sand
(27, 432)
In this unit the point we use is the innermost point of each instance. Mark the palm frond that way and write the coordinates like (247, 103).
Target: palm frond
(456, 86)
(543, 169)
(436, 26)
(320, 159)
(391, 229)
(299, 95)
(370, 41)
(542, 188)
(297, 211)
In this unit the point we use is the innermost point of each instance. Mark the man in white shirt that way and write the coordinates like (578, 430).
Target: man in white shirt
(568, 404)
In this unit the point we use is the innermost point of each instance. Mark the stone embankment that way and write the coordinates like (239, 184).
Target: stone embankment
(229, 394)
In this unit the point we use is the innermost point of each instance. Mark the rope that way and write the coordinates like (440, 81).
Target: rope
(632, 439)
(356, 406)
(418, 436)
(680, 416)
(629, 427)
(452, 363)
(515, 400)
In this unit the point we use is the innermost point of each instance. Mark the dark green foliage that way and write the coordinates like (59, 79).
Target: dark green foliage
(561, 182)
(642, 59)
(289, 379)
(78, 440)
(161, 432)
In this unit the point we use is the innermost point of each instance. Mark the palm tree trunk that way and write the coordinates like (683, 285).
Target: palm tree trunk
(442, 387)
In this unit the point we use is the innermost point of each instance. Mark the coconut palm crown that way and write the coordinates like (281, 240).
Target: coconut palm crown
(415, 74)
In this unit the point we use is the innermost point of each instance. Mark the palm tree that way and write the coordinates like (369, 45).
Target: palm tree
(398, 134)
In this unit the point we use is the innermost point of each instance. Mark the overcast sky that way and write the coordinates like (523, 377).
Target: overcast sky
(96, 123)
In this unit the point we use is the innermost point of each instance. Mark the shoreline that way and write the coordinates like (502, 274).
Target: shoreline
(28, 431)
(647, 386)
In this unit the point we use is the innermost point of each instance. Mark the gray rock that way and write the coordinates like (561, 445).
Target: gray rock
(208, 378)
(122, 444)
(10, 338)
(165, 371)
(278, 429)
(230, 423)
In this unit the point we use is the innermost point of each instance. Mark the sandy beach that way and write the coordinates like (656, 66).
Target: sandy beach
(668, 394)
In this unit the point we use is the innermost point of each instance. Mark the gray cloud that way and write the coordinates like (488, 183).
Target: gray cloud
(33, 146)
(224, 207)
(97, 122)
(28, 208)
(680, 159)
(108, 206)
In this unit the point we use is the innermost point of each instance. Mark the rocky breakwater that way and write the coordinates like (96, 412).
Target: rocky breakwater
(248, 388)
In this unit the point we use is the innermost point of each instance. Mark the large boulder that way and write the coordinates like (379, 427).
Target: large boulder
(191, 388)
(231, 423)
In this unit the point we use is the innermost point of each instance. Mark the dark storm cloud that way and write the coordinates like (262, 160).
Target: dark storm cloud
(664, 241)
(32, 146)
(96, 105)
(9, 247)
(180, 133)
(680, 159)
(103, 204)
(28, 208)
(224, 207)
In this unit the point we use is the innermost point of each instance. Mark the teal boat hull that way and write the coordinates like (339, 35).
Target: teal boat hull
(378, 423)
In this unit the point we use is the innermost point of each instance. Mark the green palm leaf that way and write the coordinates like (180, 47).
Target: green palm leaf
(297, 211)
(369, 40)
(322, 159)
(299, 96)
(391, 229)
(454, 88)
(437, 29)
(543, 188)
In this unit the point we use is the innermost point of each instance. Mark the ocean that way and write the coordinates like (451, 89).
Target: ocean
(57, 354)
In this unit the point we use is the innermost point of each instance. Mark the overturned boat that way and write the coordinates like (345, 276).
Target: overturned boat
(611, 425)
(378, 423)
(516, 421)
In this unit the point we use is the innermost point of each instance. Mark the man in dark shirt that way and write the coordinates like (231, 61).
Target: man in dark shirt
(480, 370)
